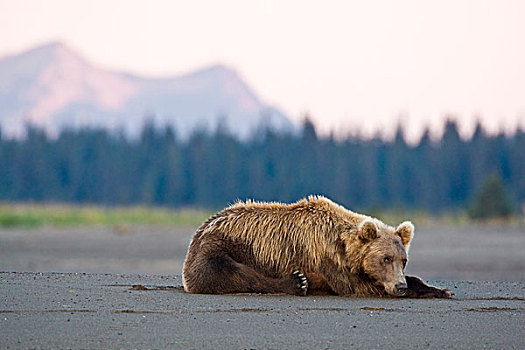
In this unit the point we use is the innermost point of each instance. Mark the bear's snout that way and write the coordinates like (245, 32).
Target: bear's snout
(401, 289)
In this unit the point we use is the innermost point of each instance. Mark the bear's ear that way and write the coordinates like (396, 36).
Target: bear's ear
(367, 230)
(405, 231)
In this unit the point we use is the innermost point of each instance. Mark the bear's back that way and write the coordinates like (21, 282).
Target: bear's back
(280, 233)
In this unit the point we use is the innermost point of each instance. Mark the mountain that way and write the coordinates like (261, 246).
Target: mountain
(53, 87)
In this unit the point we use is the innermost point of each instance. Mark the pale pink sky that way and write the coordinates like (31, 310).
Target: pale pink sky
(350, 64)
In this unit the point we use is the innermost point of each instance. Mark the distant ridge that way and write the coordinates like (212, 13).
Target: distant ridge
(53, 87)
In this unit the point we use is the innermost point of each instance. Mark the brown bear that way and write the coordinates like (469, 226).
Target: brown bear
(312, 246)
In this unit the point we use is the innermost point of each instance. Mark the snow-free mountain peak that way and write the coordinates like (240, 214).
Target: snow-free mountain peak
(54, 87)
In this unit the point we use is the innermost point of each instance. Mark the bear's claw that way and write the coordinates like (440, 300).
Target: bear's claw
(439, 293)
(447, 293)
(300, 283)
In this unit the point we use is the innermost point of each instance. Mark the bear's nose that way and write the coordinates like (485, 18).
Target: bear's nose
(401, 288)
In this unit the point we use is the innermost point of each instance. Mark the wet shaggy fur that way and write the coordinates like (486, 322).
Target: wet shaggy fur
(309, 247)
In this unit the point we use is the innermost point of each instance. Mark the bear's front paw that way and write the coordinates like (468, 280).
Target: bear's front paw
(434, 292)
(299, 283)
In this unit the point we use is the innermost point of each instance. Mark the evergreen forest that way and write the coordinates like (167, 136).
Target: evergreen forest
(214, 170)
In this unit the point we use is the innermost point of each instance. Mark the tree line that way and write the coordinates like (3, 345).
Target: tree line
(212, 170)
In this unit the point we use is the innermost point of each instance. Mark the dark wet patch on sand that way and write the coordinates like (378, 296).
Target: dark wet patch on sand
(491, 299)
(382, 309)
(141, 287)
(492, 309)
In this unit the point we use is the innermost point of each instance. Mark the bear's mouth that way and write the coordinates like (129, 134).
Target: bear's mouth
(402, 293)
(396, 292)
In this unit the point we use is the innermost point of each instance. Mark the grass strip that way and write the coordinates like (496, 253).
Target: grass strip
(34, 215)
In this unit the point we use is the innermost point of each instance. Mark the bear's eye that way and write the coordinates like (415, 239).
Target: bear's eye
(404, 263)
(387, 260)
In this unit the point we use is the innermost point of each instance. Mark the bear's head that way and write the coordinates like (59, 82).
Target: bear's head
(385, 254)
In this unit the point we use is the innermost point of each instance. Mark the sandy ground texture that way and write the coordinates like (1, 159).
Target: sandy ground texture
(132, 311)
(448, 253)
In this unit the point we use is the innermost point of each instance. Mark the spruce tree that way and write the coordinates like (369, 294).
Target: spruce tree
(492, 200)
